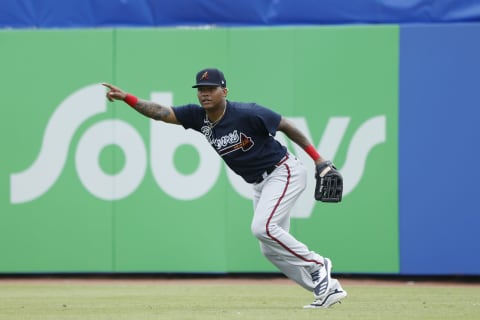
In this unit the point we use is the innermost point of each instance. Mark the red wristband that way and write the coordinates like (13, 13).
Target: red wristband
(312, 152)
(131, 100)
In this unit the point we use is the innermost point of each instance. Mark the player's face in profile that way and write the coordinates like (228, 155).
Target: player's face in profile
(211, 97)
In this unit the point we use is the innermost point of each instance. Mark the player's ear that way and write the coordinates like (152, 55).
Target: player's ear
(225, 92)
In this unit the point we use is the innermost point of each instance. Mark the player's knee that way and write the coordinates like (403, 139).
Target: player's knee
(259, 231)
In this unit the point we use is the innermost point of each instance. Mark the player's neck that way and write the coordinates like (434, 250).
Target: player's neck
(215, 114)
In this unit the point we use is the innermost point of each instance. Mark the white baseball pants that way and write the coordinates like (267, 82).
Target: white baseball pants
(273, 200)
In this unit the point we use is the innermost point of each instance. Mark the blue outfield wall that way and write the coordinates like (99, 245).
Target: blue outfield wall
(439, 98)
(439, 141)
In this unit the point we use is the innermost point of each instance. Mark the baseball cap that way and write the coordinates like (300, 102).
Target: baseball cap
(210, 77)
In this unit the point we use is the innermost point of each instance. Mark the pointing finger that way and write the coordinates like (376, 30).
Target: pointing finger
(107, 85)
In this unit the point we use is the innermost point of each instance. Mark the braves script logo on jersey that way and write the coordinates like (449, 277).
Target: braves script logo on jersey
(229, 142)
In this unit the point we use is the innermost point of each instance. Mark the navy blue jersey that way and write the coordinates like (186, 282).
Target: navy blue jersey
(244, 136)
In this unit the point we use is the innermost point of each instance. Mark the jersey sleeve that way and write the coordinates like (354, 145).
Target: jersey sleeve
(190, 116)
(268, 118)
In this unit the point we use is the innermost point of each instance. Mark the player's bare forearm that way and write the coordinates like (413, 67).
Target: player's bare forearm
(156, 111)
(147, 108)
(294, 134)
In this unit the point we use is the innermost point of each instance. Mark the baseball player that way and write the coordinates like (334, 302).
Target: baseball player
(243, 135)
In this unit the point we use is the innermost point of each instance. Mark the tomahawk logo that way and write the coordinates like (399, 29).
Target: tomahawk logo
(242, 142)
(38, 179)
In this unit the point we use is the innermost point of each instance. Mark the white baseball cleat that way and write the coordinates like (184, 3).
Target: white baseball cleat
(322, 280)
(335, 295)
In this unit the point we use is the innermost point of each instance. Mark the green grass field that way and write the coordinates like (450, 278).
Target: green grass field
(142, 300)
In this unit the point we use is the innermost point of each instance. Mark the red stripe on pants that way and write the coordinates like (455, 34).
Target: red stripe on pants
(273, 213)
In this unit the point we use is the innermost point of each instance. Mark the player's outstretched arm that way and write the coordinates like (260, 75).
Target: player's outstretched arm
(147, 108)
(292, 132)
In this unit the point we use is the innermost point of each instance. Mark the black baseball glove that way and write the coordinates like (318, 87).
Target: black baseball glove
(329, 183)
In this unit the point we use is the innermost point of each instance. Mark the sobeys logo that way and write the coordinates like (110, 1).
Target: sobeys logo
(35, 181)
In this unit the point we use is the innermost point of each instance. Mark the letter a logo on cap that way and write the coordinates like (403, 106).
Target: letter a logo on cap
(204, 76)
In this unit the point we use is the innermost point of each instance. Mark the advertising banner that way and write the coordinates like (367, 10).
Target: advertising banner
(48, 222)
(91, 186)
